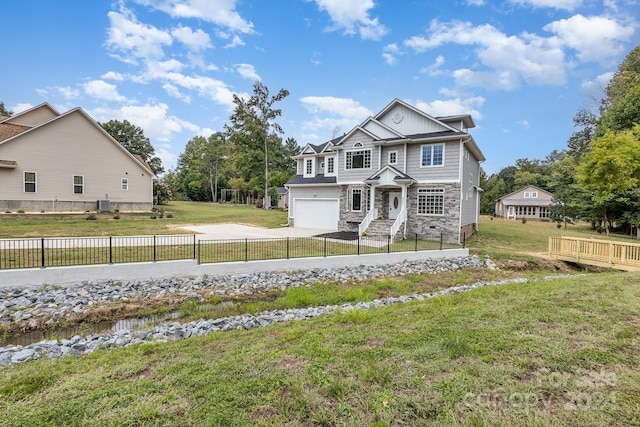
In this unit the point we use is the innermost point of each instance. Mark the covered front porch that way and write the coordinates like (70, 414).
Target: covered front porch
(387, 213)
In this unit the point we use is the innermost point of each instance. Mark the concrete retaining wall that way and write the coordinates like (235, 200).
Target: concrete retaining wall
(34, 277)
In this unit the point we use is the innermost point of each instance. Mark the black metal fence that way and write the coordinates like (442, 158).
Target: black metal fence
(59, 252)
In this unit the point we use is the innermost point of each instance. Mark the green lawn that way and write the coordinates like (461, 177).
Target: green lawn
(182, 213)
(554, 352)
(562, 352)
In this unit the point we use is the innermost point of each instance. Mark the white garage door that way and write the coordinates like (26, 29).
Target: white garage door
(317, 213)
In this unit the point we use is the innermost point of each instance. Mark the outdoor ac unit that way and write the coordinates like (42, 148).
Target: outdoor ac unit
(103, 205)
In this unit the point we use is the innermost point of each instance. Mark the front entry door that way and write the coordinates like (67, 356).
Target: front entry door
(395, 204)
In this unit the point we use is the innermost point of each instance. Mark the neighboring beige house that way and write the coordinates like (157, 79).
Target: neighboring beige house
(56, 162)
(399, 173)
(529, 202)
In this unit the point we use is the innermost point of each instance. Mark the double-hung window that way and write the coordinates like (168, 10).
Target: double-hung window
(432, 155)
(308, 168)
(330, 166)
(358, 159)
(356, 199)
(124, 184)
(30, 182)
(78, 184)
(431, 201)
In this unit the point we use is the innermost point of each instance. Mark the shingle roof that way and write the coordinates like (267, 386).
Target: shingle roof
(527, 202)
(318, 179)
(399, 175)
(7, 130)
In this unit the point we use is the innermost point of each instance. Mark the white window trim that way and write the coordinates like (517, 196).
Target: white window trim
(426, 191)
(73, 184)
(534, 194)
(396, 154)
(311, 174)
(34, 182)
(335, 162)
(527, 195)
(363, 160)
(432, 165)
(124, 184)
(351, 199)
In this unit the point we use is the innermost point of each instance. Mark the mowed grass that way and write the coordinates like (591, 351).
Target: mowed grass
(15, 225)
(561, 352)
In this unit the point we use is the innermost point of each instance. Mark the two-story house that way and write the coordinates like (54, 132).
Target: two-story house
(402, 171)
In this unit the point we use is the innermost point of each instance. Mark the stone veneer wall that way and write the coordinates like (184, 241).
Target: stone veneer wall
(426, 226)
(349, 221)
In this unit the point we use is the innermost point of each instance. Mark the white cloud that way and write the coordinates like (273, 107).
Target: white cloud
(434, 69)
(195, 41)
(103, 90)
(352, 16)
(248, 71)
(555, 4)
(452, 107)
(344, 113)
(20, 107)
(134, 38)
(112, 75)
(509, 59)
(390, 53)
(595, 38)
(476, 2)
(595, 88)
(219, 12)
(524, 123)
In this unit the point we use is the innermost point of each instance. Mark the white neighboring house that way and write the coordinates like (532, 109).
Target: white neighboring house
(529, 202)
(399, 173)
(67, 162)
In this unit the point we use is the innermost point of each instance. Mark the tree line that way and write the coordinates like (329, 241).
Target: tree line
(596, 178)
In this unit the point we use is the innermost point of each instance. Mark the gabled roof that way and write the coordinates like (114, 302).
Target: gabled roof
(399, 176)
(353, 131)
(80, 111)
(524, 188)
(7, 130)
(466, 119)
(397, 101)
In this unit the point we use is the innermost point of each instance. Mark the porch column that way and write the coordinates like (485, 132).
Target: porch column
(404, 209)
(372, 202)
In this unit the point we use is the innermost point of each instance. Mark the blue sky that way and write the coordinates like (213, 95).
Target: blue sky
(521, 68)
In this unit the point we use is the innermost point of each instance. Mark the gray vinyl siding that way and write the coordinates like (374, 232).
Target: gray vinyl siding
(72, 145)
(468, 194)
(385, 156)
(352, 175)
(449, 172)
(380, 131)
(412, 122)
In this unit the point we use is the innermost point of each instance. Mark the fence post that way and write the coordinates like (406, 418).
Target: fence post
(416, 242)
(110, 250)
(325, 246)
(358, 243)
(42, 252)
(246, 250)
(287, 247)
(464, 240)
(154, 248)
(440, 241)
(194, 249)
(388, 243)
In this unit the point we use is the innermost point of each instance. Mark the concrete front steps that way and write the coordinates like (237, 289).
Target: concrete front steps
(382, 227)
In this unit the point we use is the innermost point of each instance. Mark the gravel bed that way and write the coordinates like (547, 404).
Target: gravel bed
(25, 304)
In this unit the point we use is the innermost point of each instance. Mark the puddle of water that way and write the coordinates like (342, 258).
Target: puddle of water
(109, 326)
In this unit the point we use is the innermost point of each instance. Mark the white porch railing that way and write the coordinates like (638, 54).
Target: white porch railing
(367, 220)
(400, 219)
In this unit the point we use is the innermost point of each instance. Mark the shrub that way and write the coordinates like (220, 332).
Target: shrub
(169, 215)
(20, 210)
(153, 217)
(91, 217)
(524, 220)
(116, 216)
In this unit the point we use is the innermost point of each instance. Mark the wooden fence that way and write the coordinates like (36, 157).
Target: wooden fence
(601, 253)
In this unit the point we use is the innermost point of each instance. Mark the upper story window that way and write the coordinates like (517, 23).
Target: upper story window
(29, 182)
(124, 184)
(530, 194)
(359, 159)
(330, 169)
(309, 168)
(393, 157)
(432, 155)
(78, 184)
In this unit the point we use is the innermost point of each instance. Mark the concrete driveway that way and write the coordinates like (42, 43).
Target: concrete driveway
(239, 231)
